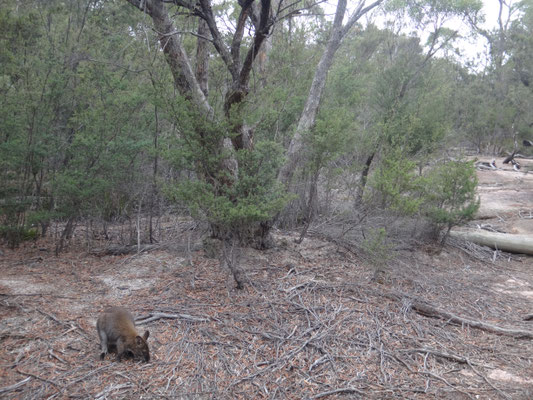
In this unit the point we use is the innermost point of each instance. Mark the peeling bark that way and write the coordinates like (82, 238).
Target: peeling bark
(202, 57)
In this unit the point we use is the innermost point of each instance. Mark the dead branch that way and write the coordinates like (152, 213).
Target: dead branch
(38, 294)
(160, 315)
(103, 394)
(431, 311)
(39, 378)
(488, 382)
(337, 391)
(52, 354)
(97, 370)
(440, 378)
(428, 310)
(448, 356)
(51, 317)
(10, 388)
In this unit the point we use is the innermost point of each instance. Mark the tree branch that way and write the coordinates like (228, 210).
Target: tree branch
(207, 15)
(239, 32)
(358, 13)
(184, 78)
(260, 34)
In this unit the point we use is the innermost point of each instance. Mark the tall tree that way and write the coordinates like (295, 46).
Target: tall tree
(308, 116)
(502, 80)
(238, 54)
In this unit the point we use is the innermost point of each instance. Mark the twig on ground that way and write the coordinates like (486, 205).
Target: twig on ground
(40, 378)
(337, 391)
(159, 315)
(488, 382)
(15, 386)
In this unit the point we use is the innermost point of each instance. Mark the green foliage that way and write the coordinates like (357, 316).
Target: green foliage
(450, 194)
(377, 249)
(87, 107)
(395, 186)
(14, 235)
(73, 130)
(254, 197)
(274, 105)
(332, 136)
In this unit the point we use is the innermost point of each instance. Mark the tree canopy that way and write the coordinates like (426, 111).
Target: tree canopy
(248, 113)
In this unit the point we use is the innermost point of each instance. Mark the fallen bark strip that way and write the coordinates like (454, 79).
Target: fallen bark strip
(10, 388)
(522, 244)
(159, 315)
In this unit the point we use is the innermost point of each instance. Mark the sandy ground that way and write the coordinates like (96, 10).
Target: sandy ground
(507, 197)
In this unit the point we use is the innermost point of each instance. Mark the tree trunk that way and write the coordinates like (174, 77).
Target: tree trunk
(67, 233)
(202, 57)
(312, 104)
(230, 257)
(364, 178)
(193, 84)
(313, 194)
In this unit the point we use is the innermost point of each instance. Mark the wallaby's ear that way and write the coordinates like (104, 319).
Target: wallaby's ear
(139, 341)
(146, 334)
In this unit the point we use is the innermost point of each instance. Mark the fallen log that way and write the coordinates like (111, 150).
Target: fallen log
(500, 241)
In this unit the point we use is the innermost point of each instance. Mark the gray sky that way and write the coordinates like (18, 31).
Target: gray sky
(491, 8)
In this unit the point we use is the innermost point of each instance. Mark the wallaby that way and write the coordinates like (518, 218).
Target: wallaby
(116, 329)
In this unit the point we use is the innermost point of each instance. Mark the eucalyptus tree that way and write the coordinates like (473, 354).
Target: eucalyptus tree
(221, 144)
(505, 77)
(307, 119)
(405, 65)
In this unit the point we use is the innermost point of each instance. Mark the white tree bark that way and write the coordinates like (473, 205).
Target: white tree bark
(308, 117)
(522, 244)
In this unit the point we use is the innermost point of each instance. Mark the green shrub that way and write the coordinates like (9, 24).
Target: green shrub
(14, 235)
(377, 250)
(395, 186)
(254, 197)
(450, 195)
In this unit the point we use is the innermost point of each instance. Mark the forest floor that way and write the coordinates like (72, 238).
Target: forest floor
(311, 323)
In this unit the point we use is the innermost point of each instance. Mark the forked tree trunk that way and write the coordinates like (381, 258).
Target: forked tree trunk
(67, 233)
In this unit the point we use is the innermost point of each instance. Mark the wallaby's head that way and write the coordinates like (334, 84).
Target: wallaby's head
(140, 348)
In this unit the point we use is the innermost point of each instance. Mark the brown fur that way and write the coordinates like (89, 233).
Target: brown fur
(116, 329)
